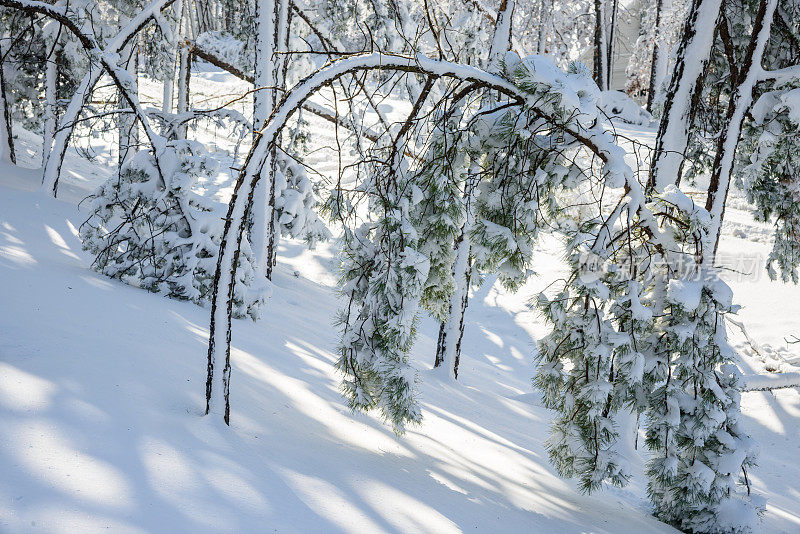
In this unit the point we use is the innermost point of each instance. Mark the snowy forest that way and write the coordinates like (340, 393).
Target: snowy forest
(400, 266)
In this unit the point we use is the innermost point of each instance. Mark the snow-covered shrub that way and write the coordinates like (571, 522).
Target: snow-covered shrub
(296, 202)
(700, 450)
(618, 105)
(156, 233)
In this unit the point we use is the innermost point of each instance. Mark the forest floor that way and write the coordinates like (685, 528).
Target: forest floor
(102, 390)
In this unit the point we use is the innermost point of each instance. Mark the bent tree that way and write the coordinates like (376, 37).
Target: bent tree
(637, 326)
(483, 164)
(217, 387)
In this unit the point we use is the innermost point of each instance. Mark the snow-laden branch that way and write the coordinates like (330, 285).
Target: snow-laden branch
(780, 75)
(594, 138)
(312, 107)
(770, 382)
(107, 57)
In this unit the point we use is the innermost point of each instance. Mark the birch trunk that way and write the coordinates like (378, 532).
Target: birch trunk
(266, 70)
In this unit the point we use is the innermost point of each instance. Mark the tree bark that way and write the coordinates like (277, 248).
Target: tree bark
(264, 98)
(655, 63)
(6, 125)
(599, 48)
(694, 51)
(728, 140)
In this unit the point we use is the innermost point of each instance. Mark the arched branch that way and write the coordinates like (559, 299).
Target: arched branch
(218, 384)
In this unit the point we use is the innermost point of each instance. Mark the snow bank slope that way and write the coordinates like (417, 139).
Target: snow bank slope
(101, 387)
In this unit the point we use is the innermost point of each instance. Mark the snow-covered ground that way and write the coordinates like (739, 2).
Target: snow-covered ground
(102, 387)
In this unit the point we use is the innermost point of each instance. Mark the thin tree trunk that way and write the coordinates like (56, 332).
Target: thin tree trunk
(544, 21)
(655, 63)
(612, 32)
(440, 345)
(281, 65)
(184, 80)
(464, 303)
(599, 55)
(6, 125)
(166, 94)
(263, 223)
(50, 105)
(450, 330)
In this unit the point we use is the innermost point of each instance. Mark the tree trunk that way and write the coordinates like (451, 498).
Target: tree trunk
(184, 79)
(175, 47)
(544, 21)
(264, 99)
(612, 35)
(694, 51)
(464, 303)
(281, 65)
(50, 105)
(450, 331)
(728, 140)
(600, 52)
(6, 125)
(657, 60)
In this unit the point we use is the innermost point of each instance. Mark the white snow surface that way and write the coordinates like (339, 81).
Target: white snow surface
(102, 391)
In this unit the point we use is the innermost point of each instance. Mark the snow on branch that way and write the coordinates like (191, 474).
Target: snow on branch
(312, 107)
(768, 382)
(780, 75)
